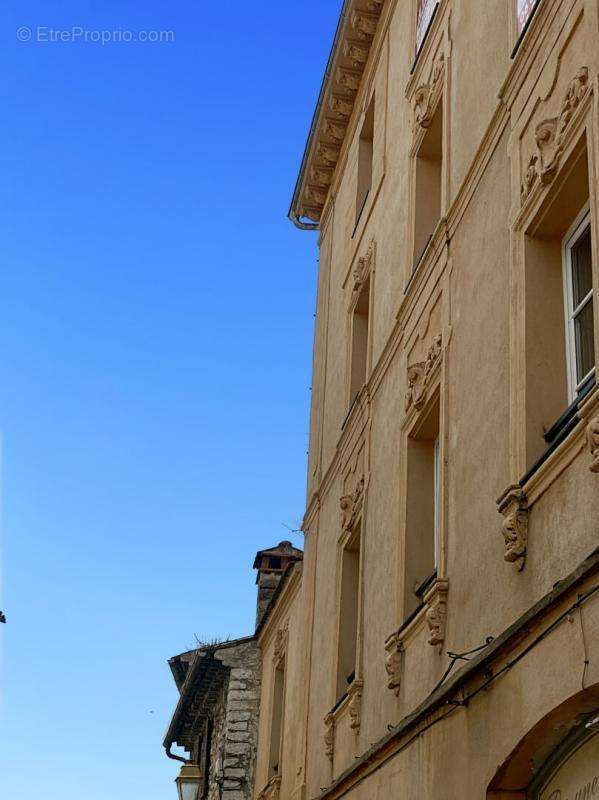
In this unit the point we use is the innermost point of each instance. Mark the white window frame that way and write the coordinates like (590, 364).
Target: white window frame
(581, 223)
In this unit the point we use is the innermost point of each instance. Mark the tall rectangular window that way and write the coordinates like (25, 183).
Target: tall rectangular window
(429, 170)
(423, 512)
(276, 720)
(578, 282)
(559, 319)
(349, 613)
(359, 341)
(424, 16)
(365, 155)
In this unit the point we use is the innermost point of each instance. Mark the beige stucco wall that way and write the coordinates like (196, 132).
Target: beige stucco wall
(469, 288)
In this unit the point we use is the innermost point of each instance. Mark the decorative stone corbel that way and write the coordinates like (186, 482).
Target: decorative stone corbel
(355, 705)
(329, 736)
(549, 136)
(394, 663)
(514, 507)
(364, 266)
(328, 153)
(272, 790)
(357, 52)
(364, 24)
(351, 505)
(419, 375)
(593, 442)
(425, 95)
(436, 612)
(280, 645)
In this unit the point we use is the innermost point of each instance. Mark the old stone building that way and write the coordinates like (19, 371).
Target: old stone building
(442, 638)
(216, 718)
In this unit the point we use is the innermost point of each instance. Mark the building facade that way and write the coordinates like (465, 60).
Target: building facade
(442, 638)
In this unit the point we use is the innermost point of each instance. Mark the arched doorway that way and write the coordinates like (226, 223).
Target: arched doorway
(558, 759)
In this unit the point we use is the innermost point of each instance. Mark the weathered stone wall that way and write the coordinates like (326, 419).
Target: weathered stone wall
(235, 725)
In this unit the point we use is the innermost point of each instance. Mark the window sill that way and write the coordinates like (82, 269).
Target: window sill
(569, 441)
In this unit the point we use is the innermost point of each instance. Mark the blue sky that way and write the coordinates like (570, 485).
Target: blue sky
(156, 334)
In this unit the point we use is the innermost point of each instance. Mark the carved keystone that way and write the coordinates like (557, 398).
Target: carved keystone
(436, 611)
(514, 507)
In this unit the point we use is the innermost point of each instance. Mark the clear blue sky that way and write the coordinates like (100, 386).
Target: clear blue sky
(156, 313)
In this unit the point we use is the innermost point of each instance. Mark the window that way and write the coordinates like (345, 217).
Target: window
(429, 164)
(424, 17)
(423, 512)
(558, 333)
(365, 154)
(276, 720)
(359, 341)
(525, 9)
(349, 613)
(578, 282)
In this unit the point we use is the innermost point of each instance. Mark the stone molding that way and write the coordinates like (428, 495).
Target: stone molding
(592, 434)
(280, 644)
(351, 505)
(436, 611)
(329, 736)
(543, 165)
(354, 705)
(513, 504)
(394, 662)
(349, 59)
(272, 790)
(419, 375)
(364, 267)
(427, 94)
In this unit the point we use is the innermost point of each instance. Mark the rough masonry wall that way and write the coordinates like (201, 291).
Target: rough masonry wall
(235, 732)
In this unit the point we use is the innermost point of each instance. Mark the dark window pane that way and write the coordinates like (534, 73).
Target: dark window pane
(585, 346)
(582, 269)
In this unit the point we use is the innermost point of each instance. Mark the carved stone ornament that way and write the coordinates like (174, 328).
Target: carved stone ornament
(355, 705)
(436, 611)
(272, 790)
(530, 177)
(419, 375)
(349, 79)
(356, 51)
(280, 644)
(341, 105)
(394, 663)
(425, 95)
(549, 136)
(329, 736)
(593, 442)
(514, 507)
(363, 267)
(363, 24)
(342, 85)
(351, 505)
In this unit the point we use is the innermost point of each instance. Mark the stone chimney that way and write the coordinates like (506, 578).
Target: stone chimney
(271, 565)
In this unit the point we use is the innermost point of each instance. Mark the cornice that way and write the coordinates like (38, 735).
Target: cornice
(356, 32)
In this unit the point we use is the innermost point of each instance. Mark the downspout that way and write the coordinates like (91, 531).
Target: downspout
(174, 757)
(313, 226)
